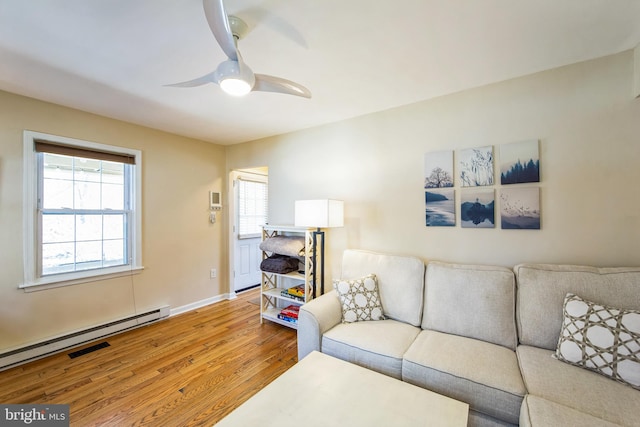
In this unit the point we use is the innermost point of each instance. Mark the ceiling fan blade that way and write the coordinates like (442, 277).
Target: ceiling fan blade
(219, 24)
(267, 18)
(208, 78)
(266, 83)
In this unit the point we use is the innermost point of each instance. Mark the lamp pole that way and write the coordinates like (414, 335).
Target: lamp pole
(317, 233)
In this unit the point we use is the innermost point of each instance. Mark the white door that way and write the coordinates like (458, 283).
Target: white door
(247, 264)
(250, 194)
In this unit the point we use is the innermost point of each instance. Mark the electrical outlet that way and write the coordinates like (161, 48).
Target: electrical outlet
(213, 273)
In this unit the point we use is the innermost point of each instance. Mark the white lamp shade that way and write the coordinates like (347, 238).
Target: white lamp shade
(319, 213)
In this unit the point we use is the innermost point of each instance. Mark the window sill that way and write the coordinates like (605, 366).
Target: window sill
(60, 280)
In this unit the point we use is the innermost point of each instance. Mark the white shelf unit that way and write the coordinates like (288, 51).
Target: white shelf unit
(271, 299)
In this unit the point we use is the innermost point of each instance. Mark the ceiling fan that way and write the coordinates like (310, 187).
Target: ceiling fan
(233, 75)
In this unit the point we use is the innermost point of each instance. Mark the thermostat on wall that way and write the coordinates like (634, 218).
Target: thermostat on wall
(215, 201)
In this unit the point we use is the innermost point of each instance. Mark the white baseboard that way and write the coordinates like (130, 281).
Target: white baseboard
(202, 303)
(59, 343)
(27, 353)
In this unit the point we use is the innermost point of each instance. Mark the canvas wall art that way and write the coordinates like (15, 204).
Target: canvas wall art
(475, 166)
(477, 208)
(520, 162)
(440, 208)
(520, 208)
(438, 169)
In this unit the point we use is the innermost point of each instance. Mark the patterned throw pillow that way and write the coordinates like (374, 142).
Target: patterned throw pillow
(360, 299)
(603, 339)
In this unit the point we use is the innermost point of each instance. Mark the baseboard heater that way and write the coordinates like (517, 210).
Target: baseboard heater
(32, 352)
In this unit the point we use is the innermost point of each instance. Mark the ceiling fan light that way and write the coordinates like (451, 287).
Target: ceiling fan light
(234, 78)
(235, 86)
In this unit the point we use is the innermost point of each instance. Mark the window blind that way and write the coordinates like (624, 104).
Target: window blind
(252, 207)
(43, 146)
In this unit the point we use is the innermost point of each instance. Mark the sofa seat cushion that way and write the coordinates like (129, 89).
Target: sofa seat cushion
(484, 375)
(378, 345)
(539, 412)
(477, 419)
(577, 388)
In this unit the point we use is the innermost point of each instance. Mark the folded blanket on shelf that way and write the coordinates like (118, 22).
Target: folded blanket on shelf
(278, 263)
(284, 245)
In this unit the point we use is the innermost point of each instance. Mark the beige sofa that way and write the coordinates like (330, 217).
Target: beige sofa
(468, 332)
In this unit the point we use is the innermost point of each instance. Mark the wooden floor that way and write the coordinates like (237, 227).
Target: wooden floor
(189, 370)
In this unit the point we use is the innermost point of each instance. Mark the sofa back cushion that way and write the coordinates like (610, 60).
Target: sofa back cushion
(472, 301)
(543, 287)
(400, 281)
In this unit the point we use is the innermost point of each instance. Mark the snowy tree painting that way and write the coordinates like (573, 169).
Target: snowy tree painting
(476, 166)
(438, 169)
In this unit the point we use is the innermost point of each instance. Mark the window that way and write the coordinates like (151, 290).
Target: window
(82, 210)
(252, 207)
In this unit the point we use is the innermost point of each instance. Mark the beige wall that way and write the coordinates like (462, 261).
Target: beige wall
(584, 115)
(588, 124)
(180, 246)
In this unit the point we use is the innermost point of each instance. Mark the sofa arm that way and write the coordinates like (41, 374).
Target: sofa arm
(315, 318)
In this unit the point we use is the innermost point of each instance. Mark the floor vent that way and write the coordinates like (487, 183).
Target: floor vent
(88, 350)
(39, 350)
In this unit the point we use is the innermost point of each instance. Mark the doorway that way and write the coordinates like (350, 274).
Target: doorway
(247, 214)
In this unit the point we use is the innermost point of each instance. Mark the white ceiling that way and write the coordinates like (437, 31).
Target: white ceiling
(113, 57)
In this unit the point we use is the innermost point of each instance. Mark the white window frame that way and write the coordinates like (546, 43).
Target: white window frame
(32, 282)
(250, 179)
